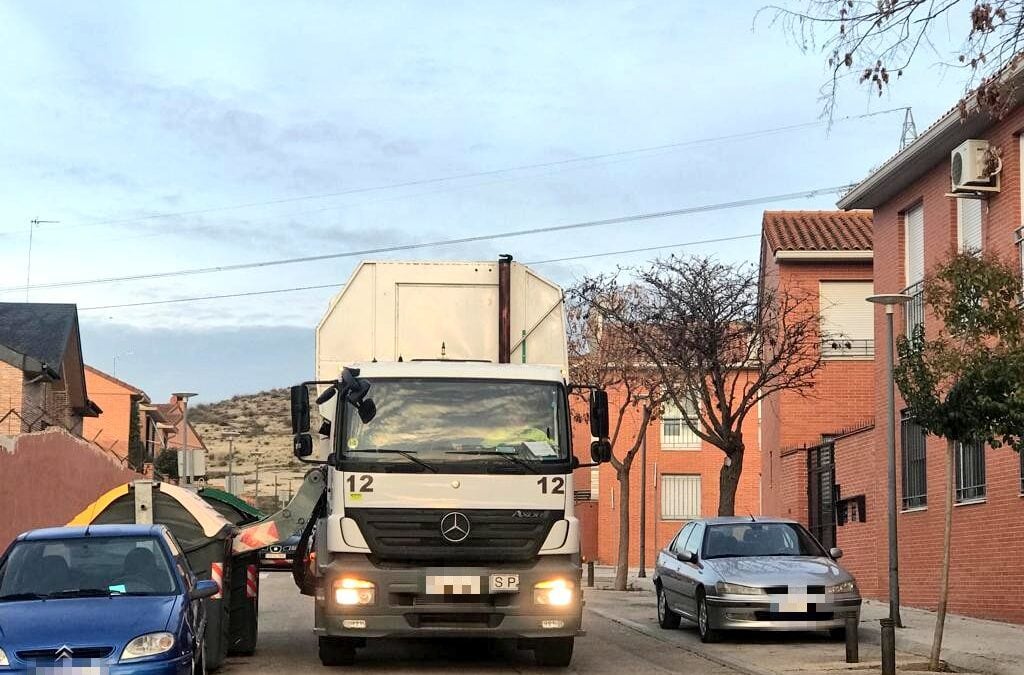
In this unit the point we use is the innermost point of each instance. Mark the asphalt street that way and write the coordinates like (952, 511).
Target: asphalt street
(287, 645)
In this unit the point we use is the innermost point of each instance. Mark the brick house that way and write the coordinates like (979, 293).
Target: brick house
(123, 405)
(172, 413)
(917, 222)
(42, 374)
(825, 256)
(682, 483)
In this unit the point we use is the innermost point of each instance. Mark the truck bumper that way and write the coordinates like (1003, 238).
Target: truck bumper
(402, 608)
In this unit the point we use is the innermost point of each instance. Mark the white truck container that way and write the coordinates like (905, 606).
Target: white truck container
(447, 445)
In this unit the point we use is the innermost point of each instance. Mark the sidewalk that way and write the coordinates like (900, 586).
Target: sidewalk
(969, 645)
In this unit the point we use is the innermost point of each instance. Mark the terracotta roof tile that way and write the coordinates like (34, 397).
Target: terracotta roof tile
(817, 230)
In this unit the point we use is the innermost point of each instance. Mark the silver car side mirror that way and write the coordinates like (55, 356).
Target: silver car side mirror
(835, 553)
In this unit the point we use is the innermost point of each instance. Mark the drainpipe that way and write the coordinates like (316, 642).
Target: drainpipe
(504, 303)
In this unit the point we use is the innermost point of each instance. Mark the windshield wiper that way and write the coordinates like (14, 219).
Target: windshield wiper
(22, 596)
(82, 593)
(404, 453)
(489, 453)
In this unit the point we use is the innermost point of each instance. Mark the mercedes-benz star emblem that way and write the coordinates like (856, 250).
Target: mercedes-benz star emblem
(64, 653)
(455, 527)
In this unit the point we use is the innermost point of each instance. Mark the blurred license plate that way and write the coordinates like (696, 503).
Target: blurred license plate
(503, 583)
(793, 606)
(74, 670)
(274, 556)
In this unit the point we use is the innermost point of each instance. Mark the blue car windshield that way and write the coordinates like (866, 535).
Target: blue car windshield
(753, 539)
(86, 567)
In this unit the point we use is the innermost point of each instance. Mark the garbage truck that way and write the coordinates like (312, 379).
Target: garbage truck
(442, 503)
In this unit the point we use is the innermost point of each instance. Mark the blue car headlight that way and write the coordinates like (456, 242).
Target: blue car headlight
(150, 644)
(3, 659)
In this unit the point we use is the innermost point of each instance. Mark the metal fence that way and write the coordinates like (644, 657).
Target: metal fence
(913, 447)
(914, 309)
(970, 471)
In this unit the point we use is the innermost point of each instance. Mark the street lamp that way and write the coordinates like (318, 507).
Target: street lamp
(186, 461)
(889, 301)
(231, 436)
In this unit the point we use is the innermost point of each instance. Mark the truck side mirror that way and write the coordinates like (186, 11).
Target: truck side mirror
(599, 413)
(300, 409)
(601, 451)
(302, 445)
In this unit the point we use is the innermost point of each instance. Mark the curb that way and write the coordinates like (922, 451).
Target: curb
(738, 666)
(959, 660)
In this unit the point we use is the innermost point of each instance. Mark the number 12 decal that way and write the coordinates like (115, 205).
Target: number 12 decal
(366, 486)
(556, 486)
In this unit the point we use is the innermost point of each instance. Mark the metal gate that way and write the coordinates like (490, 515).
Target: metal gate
(821, 493)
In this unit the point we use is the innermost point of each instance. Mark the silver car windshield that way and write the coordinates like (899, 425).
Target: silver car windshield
(454, 421)
(753, 539)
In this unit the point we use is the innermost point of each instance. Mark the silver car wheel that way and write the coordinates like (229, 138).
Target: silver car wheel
(702, 616)
(661, 605)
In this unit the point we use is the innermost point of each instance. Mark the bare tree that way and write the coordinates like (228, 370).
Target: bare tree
(876, 41)
(601, 353)
(717, 339)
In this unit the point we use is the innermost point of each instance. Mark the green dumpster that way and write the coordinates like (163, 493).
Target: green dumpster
(204, 534)
(245, 580)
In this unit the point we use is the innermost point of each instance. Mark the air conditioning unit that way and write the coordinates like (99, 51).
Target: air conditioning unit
(974, 168)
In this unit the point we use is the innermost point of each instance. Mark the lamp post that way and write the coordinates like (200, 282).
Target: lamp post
(231, 436)
(257, 456)
(889, 301)
(186, 454)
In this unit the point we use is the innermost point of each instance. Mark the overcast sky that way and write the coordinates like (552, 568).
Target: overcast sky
(280, 129)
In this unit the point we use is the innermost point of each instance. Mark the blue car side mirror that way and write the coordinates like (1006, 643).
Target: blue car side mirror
(204, 589)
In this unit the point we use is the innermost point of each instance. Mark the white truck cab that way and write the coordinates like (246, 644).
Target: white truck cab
(449, 496)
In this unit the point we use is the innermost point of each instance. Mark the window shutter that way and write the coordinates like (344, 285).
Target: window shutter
(969, 213)
(680, 497)
(914, 241)
(845, 311)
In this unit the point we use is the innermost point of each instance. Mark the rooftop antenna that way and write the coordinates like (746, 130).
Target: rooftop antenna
(909, 129)
(28, 268)
(751, 517)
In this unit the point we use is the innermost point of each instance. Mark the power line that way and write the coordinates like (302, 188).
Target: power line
(244, 294)
(445, 242)
(491, 172)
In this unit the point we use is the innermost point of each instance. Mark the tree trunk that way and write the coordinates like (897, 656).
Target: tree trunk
(729, 480)
(947, 548)
(622, 562)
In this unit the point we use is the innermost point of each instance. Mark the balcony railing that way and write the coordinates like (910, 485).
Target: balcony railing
(835, 348)
(914, 309)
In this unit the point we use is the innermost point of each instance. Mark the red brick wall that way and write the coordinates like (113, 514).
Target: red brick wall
(706, 462)
(842, 396)
(859, 471)
(49, 477)
(11, 380)
(987, 578)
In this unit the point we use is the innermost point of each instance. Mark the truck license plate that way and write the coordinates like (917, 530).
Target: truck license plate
(274, 556)
(503, 583)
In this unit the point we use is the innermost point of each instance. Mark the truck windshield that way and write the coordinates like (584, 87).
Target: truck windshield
(86, 567)
(518, 425)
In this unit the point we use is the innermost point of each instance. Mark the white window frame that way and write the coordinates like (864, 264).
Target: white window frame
(960, 203)
(906, 243)
(686, 439)
(694, 480)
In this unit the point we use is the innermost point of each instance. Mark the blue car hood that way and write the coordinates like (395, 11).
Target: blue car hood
(44, 624)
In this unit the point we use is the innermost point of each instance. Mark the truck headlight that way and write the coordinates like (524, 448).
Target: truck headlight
(724, 588)
(149, 644)
(555, 592)
(351, 592)
(3, 659)
(845, 587)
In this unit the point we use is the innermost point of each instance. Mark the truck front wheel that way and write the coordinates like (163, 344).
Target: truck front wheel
(555, 652)
(337, 651)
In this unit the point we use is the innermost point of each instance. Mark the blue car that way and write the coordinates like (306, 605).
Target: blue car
(101, 599)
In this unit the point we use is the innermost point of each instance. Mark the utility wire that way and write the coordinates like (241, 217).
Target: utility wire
(444, 242)
(491, 172)
(244, 294)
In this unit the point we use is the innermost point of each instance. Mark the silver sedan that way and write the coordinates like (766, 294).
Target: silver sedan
(752, 573)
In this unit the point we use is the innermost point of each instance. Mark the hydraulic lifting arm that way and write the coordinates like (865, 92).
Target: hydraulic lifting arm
(298, 514)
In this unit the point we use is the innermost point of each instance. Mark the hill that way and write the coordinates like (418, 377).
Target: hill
(263, 427)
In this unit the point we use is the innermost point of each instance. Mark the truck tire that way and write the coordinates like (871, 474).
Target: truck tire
(555, 652)
(337, 651)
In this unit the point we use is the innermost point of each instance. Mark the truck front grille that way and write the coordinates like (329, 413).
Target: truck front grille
(498, 535)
